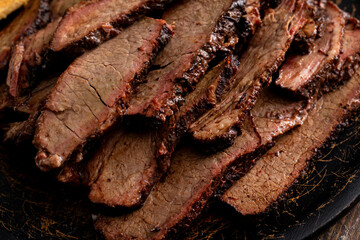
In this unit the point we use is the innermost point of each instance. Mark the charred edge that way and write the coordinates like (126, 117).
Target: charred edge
(165, 34)
(43, 18)
(164, 37)
(327, 80)
(338, 78)
(246, 104)
(177, 128)
(226, 77)
(239, 169)
(210, 146)
(98, 36)
(314, 85)
(174, 130)
(318, 154)
(223, 39)
(222, 42)
(244, 164)
(302, 44)
(78, 177)
(263, 81)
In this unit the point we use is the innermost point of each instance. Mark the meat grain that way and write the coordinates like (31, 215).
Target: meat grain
(93, 92)
(277, 170)
(266, 51)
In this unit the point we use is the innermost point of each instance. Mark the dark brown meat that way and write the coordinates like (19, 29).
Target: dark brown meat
(276, 171)
(29, 56)
(31, 104)
(206, 95)
(124, 169)
(5, 98)
(203, 29)
(90, 23)
(251, 20)
(264, 54)
(349, 59)
(179, 198)
(193, 177)
(120, 174)
(302, 75)
(304, 40)
(92, 93)
(59, 7)
(35, 15)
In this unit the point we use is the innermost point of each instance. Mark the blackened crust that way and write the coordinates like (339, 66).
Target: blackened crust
(109, 30)
(262, 186)
(35, 16)
(167, 86)
(218, 127)
(107, 106)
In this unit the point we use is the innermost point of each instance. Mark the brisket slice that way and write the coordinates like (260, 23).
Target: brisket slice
(59, 7)
(193, 177)
(203, 30)
(31, 104)
(29, 56)
(124, 169)
(120, 174)
(251, 20)
(277, 170)
(206, 95)
(294, 74)
(92, 93)
(219, 127)
(90, 23)
(349, 59)
(34, 16)
(304, 40)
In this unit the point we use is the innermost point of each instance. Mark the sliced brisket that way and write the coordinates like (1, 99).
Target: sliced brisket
(92, 93)
(90, 23)
(35, 15)
(304, 40)
(202, 29)
(124, 169)
(31, 104)
(193, 177)
(251, 20)
(294, 74)
(349, 59)
(120, 174)
(32, 58)
(59, 7)
(276, 171)
(29, 56)
(264, 54)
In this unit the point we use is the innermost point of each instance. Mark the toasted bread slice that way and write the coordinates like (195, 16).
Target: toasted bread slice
(9, 6)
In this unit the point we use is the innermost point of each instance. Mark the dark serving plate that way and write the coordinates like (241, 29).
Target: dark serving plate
(33, 205)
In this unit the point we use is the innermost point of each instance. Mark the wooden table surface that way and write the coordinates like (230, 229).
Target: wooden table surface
(345, 227)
